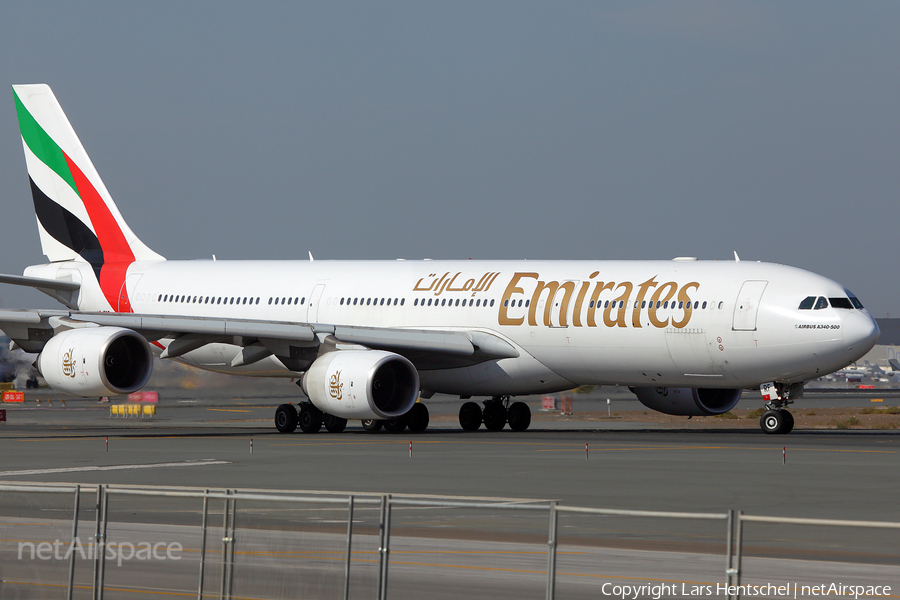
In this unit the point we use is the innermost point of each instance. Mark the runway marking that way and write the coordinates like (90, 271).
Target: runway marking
(877, 400)
(187, 463)
(227, 410)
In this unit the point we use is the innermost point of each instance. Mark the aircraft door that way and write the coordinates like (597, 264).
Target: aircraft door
(312, 309)
(747, 305)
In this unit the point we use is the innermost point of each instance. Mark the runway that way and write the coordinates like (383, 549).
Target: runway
(202, 439)
(824, 473)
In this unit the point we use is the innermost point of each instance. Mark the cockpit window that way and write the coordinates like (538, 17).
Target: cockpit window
(807, 303)
(840, 302)
(821, 303)
(856, 303)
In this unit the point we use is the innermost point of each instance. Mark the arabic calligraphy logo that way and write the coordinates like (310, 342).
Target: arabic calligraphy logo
(68, 364)
(336, 388)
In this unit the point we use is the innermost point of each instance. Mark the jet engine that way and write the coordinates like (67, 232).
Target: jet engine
(362, 384)
(688, 401)
(96, 361)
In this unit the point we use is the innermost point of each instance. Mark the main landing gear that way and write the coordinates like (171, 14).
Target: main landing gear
(497, 412)
(777, 419)
(415, 421)
(310, 420)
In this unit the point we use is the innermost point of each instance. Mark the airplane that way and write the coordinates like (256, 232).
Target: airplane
(370, 339)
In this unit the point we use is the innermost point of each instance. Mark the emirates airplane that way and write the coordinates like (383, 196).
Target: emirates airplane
(368, 339)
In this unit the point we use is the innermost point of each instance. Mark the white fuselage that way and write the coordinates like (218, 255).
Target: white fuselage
(572, 322)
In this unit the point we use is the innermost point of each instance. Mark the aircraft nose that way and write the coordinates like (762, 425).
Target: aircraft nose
(860, 332)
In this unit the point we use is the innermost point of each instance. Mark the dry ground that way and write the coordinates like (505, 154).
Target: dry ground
(886, 418)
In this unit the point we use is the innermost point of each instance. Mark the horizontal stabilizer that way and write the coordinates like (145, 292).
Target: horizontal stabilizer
(37, 282)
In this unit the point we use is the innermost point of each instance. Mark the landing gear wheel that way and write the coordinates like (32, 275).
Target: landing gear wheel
(371, 424)
(395, 425)
(518, 415)
(417, 418)
(286, 418)
(310, 418)
(470, 416)
(774, 421)
(494, 415)
(788, 421)
(334, 424)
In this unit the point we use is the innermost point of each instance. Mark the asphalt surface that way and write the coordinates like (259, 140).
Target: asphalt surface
(823, 474)
(202, 438)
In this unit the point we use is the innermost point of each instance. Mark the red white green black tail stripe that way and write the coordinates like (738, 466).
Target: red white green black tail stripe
(77, 217)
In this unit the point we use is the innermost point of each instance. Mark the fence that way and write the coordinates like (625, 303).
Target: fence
(128, 542)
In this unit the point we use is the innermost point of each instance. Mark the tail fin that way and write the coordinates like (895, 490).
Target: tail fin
(77, 217)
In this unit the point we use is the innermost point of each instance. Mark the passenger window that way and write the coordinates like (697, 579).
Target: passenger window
(704, 304)
(821, 303)
(402, 300)
(492, 302)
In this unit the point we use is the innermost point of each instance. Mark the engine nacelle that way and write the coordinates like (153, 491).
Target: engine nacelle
(96, 361)
(688, 401)
(362, 384)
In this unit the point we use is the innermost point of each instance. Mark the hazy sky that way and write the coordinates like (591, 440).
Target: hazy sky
(476, 130)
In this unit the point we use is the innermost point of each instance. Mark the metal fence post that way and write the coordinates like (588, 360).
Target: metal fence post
(225, 541)
(97, 544)
(387, 549)
(737, 567)
(729, 549)
(231, 549)
(74, 542)
(349, 550)
(383, 542)
(103, 556)
(551, 553)
(203, 543)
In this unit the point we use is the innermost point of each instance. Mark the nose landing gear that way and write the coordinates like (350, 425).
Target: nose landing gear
(777, 419)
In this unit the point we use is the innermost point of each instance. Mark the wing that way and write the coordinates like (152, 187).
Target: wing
(293, 343)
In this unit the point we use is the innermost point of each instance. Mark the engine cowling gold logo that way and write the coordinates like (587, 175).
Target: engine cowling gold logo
(68, 364)
(336, 388)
